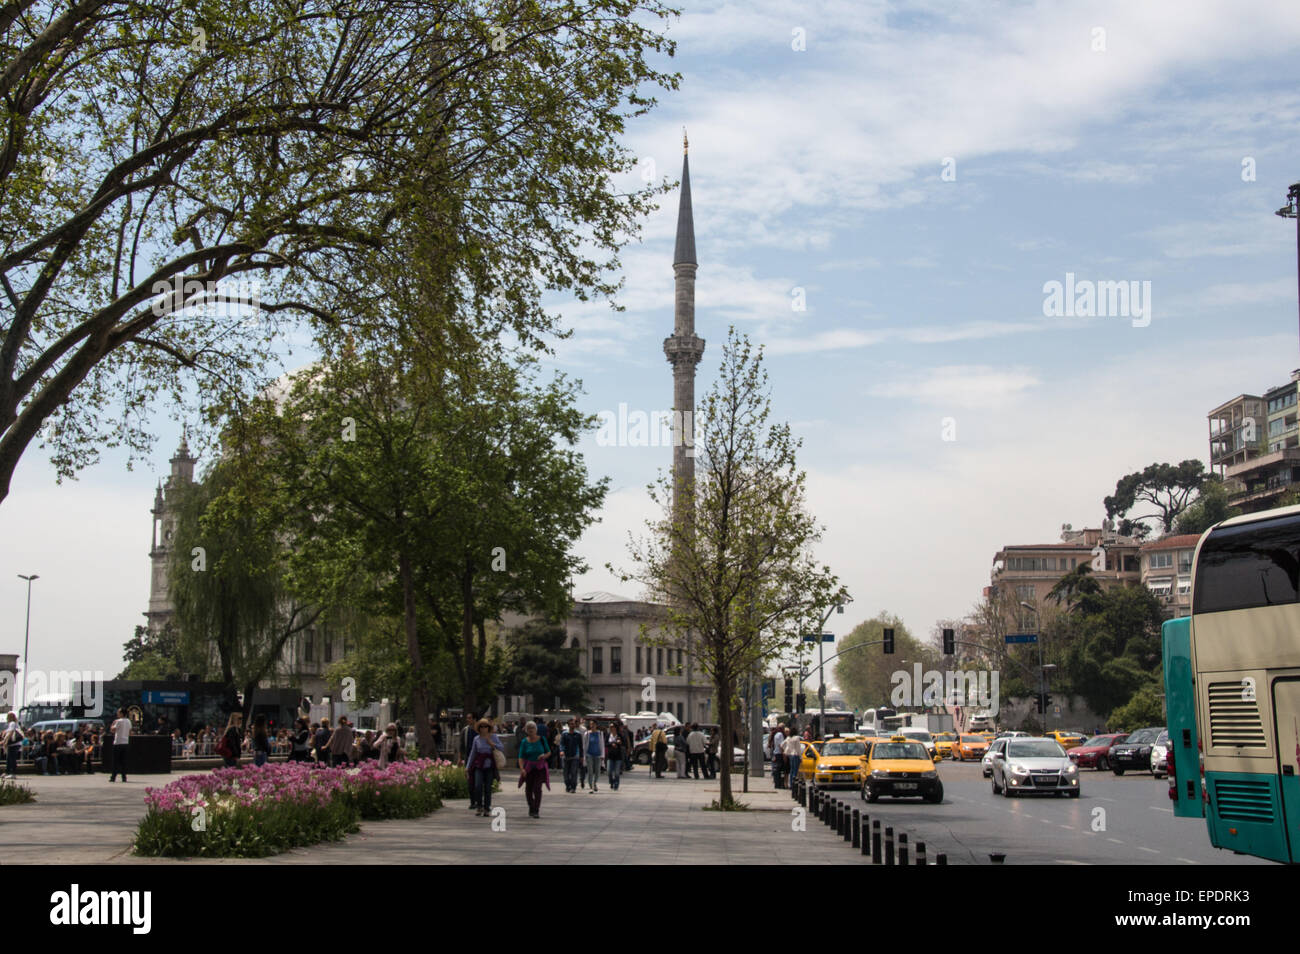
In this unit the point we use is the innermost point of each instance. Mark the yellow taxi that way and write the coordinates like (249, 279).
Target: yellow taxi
(943, 743)
(970, 745)
(807, 761)
(839, 762)
(1066, 738)
(901, 768)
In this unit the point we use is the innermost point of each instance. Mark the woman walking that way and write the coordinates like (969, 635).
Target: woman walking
(389, 746)
(482, 766)
(234, 741)
(13, 741)
(121, 729)
(261, 741)
(593, 750)
(534, 771)
(301, 742)
(614, 753)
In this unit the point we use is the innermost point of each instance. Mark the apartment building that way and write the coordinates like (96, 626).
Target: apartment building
(1029, 571)
(1255, 445)
(1167, 572)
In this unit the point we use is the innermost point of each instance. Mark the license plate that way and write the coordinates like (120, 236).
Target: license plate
(902, 785)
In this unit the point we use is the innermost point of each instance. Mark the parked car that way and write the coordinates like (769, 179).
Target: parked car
(1036, 766)
(1160, 755)
(1135, 751)
(1095, 752)
(986, 763)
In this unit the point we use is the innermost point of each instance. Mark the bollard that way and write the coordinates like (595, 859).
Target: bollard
(841, 819)
(848, 822)
(889, 844)
(857, 828)
(902, 848)
(815, 809)
(920, 853)
(794, 789)
(941, 859)
(803, 794)
(876, 857)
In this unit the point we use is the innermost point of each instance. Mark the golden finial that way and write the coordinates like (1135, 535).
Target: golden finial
(685, 143)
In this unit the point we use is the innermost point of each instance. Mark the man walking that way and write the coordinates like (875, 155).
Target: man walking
(659, 751)
(340, 742)
(571, 746)
(593, 751)
(695, 748)
(121, 729)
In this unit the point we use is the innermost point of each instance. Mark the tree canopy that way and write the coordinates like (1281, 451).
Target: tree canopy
(1164, 489)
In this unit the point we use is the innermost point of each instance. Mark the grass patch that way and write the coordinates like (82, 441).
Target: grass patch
(11, 793)
(731, 805)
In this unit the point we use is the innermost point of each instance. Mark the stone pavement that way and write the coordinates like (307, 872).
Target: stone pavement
(87, 820)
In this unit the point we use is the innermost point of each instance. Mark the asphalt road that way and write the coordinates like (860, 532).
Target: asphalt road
(1116, 820)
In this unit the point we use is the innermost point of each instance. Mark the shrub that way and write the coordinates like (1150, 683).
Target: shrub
(12, 793)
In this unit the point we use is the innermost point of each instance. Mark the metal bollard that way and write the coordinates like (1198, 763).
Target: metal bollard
(876, 857)
(902, 848)
(848, 822)
(841, 818)
(814, 807)
(941, 859)
(857, 828)
(889, 844)
(920, 853)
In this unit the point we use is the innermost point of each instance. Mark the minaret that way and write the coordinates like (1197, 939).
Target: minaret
(164, 525)
(684, 351)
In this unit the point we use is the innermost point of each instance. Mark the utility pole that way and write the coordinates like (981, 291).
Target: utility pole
(1292, 211)
(27, 640)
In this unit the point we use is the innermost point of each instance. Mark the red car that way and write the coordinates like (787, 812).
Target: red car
(1095, 752)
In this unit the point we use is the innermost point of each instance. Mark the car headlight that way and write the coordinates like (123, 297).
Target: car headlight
(878, 773)
(822, 768)
(931, 774)
(1071, 769)
(1019, 770)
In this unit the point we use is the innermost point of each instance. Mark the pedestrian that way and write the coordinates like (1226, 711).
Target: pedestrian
(13, 741)
(593, 751)
(121, 729)
(571, 742)
(481, 763)
(389, 746)
(321, 740)
(261, 741)
(681, 751)
(659, 750)
(792, 749)
(301, 746)
(533, 770)
(614, 753)
(711, 756)
(695, 749)
(340, 742)
(778, 757)
(234, 739)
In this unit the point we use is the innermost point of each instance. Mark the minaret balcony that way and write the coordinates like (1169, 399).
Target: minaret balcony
(680, 348)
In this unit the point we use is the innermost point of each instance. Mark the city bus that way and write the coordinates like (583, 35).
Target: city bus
(1180, 717)
(1245, 662)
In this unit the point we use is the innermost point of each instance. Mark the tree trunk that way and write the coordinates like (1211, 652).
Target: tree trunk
(420, 700)
(722, 688)
(472, 669)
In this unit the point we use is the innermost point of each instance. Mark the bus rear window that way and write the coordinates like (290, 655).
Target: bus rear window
(1255, 564)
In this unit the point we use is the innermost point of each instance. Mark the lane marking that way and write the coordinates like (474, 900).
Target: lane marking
(1068, 827)
(1046, 821)
(1071, 861)
(1151, 851)
(1115, 840)
(1187, 861)
(1105, 799)
(1157, 808)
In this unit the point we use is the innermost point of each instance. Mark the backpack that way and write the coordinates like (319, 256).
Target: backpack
(223, 747)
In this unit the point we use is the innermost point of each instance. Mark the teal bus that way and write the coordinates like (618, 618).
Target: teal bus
(1180, 717)
(1244, 659)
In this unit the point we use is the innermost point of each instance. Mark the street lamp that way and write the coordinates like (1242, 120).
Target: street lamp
(28, 638)
(1038, 638)
(821, 667)
(1292, 211)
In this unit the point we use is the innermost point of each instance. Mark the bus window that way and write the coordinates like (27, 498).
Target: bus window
(1249, 565)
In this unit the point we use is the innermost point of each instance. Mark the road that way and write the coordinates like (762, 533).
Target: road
(1116, 820)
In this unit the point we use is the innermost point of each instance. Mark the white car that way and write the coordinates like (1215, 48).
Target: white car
(1159, 749)
(1034, 766)
(918, 735)
(986, 763)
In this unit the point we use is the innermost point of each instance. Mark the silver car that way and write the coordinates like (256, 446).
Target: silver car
(986, 763)
(1036, 766)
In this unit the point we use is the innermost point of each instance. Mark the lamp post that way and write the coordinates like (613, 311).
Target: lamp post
(821, 668)
(1292, 211)
(1042, 693)
(27, 639)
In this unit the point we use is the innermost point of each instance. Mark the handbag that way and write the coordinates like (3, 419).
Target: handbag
(498, 758)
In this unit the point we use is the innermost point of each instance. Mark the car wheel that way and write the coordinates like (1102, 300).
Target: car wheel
(1117, 770)
(996, 790)
(1103, 764)
(643, 758)
(1006, 790)
(936, 797)
(869, 793)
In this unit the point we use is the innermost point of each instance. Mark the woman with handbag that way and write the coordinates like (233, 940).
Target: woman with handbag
(232, 743)
(389, 746)
(485, 759)
(534, 771)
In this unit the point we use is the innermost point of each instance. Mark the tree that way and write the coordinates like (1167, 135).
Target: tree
(1145, 708)
(544, 667)
(451, 488)
(866, 675)
(237, 605)
(152, 655)
(1208, 509)
(1078, 590)
(734, 567)
(1168, 488)
(1117, 647)
(166, 160)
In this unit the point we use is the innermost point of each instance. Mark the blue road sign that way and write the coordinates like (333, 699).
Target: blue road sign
(825, 638)
(1022, 637)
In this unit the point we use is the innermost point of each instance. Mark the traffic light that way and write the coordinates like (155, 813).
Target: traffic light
(889, 641)
(1047, 700)
(948, 642)
(1038, 702)
(802, 703)
(789, 694)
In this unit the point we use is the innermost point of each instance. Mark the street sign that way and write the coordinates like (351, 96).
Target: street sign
(1022, 637)
(825, 638)
(1056, 710)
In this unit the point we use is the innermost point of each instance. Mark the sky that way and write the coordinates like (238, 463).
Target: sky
(883, 194)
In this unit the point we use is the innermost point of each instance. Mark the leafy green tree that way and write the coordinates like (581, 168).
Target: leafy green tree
(1145, 708)
(864, 673)
(734, 564)
(183, 184)
(152, 655)
(1079, 591)
(542, 666)
(1208, 509)
(1166, 488)
(1117, 649)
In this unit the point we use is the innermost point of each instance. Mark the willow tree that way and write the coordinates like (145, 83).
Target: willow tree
(735, 568)
(185, 184)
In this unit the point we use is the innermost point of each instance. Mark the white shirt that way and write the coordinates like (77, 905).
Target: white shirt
(122, 732)
(791, 746)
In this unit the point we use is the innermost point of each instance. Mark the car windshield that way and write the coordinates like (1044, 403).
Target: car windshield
(899, 750)
(1099, 740)
(1163, 738)
(921, 735)
(1034, 749)
(1144, 735)
(973, 738)
(844, 748)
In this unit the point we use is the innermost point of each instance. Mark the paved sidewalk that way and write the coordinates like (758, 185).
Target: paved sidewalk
(87, 820)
